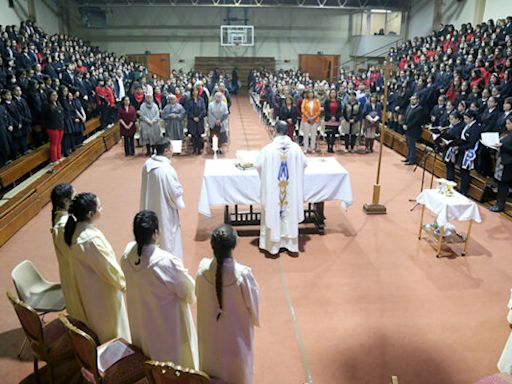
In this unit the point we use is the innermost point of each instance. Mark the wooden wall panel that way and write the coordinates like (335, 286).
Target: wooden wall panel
(320, 67)
(227, 64)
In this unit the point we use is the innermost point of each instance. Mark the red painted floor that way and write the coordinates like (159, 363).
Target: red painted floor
(370, 300)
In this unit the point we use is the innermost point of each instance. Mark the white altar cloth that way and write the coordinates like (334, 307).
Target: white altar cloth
(225, 184)
(456, 207)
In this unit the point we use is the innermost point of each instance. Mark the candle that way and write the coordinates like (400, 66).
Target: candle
(215, 143)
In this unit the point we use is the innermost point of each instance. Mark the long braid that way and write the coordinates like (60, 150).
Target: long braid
(223, 241)
(218, 286)
(145, 225)
(82, 205)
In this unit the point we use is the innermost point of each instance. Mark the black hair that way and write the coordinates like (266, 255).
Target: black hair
(223, 241)
(161, 145)
(456, 114)
(59, 193)
(82, 205)
(145, 224)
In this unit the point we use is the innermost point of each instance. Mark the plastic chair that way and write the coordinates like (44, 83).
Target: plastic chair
(37, 292)
(170, 373)
(34, 290)
(124, 365)
(49, 342)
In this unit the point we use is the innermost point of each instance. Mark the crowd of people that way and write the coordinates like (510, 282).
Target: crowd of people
(156, 315)
(458, 82)
(51, 84)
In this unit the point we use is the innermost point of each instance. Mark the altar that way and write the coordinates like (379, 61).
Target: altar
(226, 184)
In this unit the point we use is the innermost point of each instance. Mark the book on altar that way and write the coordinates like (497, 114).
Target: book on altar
(113, 351)
(490, 139)
(246, 159)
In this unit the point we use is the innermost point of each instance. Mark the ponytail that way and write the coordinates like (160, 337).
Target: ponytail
(59, 194)
(145, 225)
(82, 205)
(223, 241)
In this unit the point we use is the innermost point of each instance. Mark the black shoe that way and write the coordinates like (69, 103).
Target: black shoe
(409, 163)
(497, 208)
(404, 161)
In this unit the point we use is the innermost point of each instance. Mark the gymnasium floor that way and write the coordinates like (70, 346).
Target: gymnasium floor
(362, 303)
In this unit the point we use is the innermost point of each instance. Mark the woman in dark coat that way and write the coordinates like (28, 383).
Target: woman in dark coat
(196, 111)
(80, 119)
(332, 115)
(288, 113)
(69, 120)
(127, 120)
(36, 101)
(503, 171)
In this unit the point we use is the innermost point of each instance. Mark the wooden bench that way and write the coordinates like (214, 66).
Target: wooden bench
(28, 202)
(24, 165)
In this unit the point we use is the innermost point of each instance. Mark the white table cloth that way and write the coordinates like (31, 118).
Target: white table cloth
(225, 184)
(456, 207)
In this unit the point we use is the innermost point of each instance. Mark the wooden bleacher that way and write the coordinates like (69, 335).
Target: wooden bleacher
(26, 165)
(242, 64)
(26, 203)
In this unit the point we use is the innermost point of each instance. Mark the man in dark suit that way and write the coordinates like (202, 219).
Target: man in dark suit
(414, 119)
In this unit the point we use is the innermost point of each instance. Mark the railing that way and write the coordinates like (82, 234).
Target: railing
(370, 54)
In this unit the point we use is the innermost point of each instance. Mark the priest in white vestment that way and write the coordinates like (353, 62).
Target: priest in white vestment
(162, 193)
(505, 362)
(61, 197)
(281, 167)
(159, 292)
(227, 311)
(99, 277)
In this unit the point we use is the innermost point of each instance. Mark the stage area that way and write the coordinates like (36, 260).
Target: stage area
(362, 303)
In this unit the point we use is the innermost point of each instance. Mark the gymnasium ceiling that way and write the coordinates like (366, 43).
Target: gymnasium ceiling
(349, 5)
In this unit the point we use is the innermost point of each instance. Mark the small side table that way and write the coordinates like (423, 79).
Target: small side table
(455, 207)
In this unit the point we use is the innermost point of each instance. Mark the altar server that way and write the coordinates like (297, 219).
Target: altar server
(100, 280)
(227, 311)
(61, 198)
(159, 292)
(505, 361)
(162, 193)
(281, 167)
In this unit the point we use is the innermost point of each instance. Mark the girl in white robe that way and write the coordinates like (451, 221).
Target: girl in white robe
(61, 197)
(227, 311)
(505, 362)
(159, 292)
(99, 277)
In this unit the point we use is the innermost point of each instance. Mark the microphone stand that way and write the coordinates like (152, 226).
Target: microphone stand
(426, 154)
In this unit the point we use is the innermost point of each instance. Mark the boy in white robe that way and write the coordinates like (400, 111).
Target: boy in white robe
(159, 292)
(281, 167)
(227, 311)
(98, 275)
(162, 193)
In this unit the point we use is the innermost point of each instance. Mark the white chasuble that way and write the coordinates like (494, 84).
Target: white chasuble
(162, 193)
(226, 344)
(281, 167)
(100, 283)
(159, 292)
